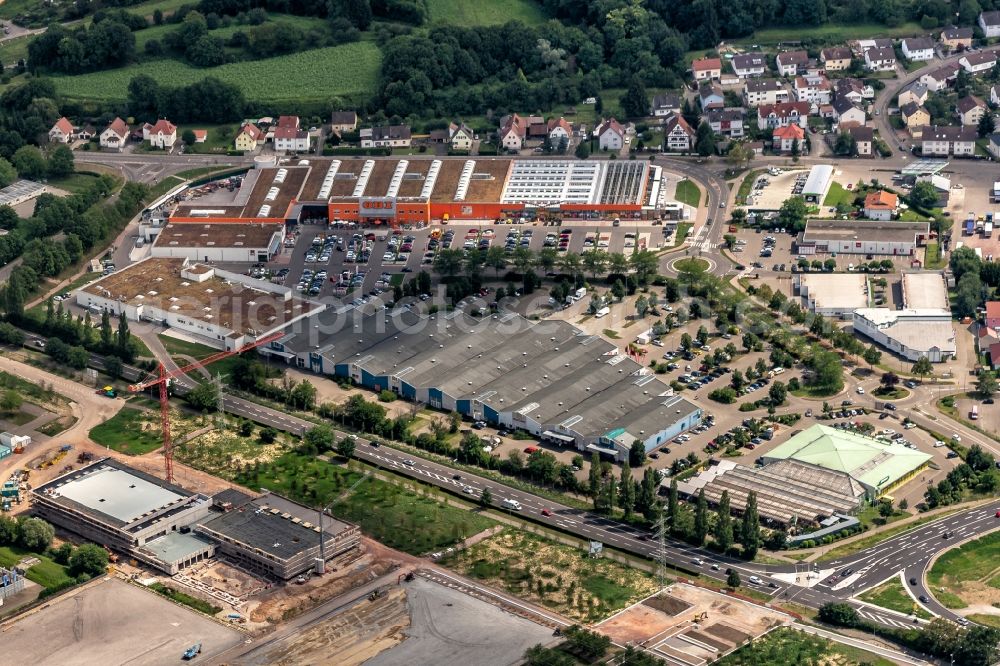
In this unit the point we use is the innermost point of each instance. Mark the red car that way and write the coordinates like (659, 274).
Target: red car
(546, 512)
(531, 449)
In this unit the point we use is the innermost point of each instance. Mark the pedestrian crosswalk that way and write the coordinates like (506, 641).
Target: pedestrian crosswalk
(898, 622)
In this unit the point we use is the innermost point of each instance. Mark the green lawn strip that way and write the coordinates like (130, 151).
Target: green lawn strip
(838, 195)
(75, 182)
(46, 572)
(971, 562)
(984, 619)
(786, 645)
(746, 185)
(30, 391)
(688, 193)
(18, 418)
(893, 596)
(415, 522)
(193, 349)
(186, 599)
(932, 256)
(485, 12)
(124, 432)
(164, 186)
(611, 333)
(310, 76)
(57, 426)
(683, 229)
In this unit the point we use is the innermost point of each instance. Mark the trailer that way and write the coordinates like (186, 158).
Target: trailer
(987, 230)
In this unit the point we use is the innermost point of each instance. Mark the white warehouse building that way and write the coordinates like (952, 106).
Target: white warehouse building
(861, 237)
(910, 333)
(219, 242)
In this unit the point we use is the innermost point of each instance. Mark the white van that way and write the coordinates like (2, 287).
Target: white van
(603, 312)
(513, 505)
(580, 293)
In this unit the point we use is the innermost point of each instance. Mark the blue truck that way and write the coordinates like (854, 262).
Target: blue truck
(970, 227)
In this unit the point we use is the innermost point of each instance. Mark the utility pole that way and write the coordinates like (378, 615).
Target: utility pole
(221, 406)
(661, 549)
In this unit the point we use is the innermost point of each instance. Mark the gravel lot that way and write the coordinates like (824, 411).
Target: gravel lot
(112, 622)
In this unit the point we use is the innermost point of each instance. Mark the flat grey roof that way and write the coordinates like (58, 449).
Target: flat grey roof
(176, 547)
(117, 493)
(863, 230)
(924, 291)
(836, 290)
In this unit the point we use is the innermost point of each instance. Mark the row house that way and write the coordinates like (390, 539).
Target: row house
(918, 48)
(678, 135)
(989, 22)
(955, 39)
(846, 113)
(940, 78)
(880, 59)
(785, 138)
(791, 63)
(707, 69)
(836, 59)
(815, 89)
(970, 110)
(749, 65)
(610, 135)
(957, 141)
(915, 117)
(730, 122)
(665, 104)
(386, 136)
(915, 93)
(782, 115)
(710, 96)
(764, 91)
(864, 139)
(978, 62)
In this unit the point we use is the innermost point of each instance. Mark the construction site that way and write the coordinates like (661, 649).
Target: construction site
(689, 625)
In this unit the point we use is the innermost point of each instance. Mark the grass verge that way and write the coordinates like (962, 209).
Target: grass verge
(971, 566)
(791, 646)
(986, 620)
(893, 596)
(838, 195)
(186, 599)
(46, 572)
(559, 577)
(130, 431)
(688, 193)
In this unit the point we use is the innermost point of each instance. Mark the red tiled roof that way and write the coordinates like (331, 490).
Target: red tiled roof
(706, 64)
(119, 127)
(288, 121)
(560, 122)
(995, 354)
(255, 132)
(162, 126)
(611, 125)
(64, 126)
(791, 131)
(881, 200)
(993, 309)
(200, 135)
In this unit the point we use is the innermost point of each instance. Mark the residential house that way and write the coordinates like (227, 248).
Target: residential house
(62, 131)
(538, 129)
(200, 135)
(610, 135)
(289, 137)
(846, 113)
(978, 62)
(162, 135)
(678, 135)
(386, 136)
(836, 58)
(995, 356)
(918, 48)
(942, 140)
(862, 45)
(940, 78)
(513, 132)
(115, 135)
(764, 91)
(864, 139)
(249, 138)
(730, 122)
(749, 65)
(665, 104)
(880, 59)
(956, 39)
(559, 129)
(915, 93)
(706, 69)
(915, 117)
(85, 133)
(343, 121)
(970, 110)
(782, 115)
(993, 147)
(986, 337)
(460, 137)
(993, 314)
(790, 63)
(853, 89)
(880, 205)
(785, 138)
(989, 22)
(815, 89)
(710, 96)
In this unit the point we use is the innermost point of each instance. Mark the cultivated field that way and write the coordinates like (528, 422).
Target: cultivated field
(346, 70)
(112, 622)
(485, 12)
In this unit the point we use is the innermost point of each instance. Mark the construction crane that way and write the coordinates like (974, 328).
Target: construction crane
(164, 379)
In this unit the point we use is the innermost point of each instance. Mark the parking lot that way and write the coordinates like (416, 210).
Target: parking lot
(340, 259)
